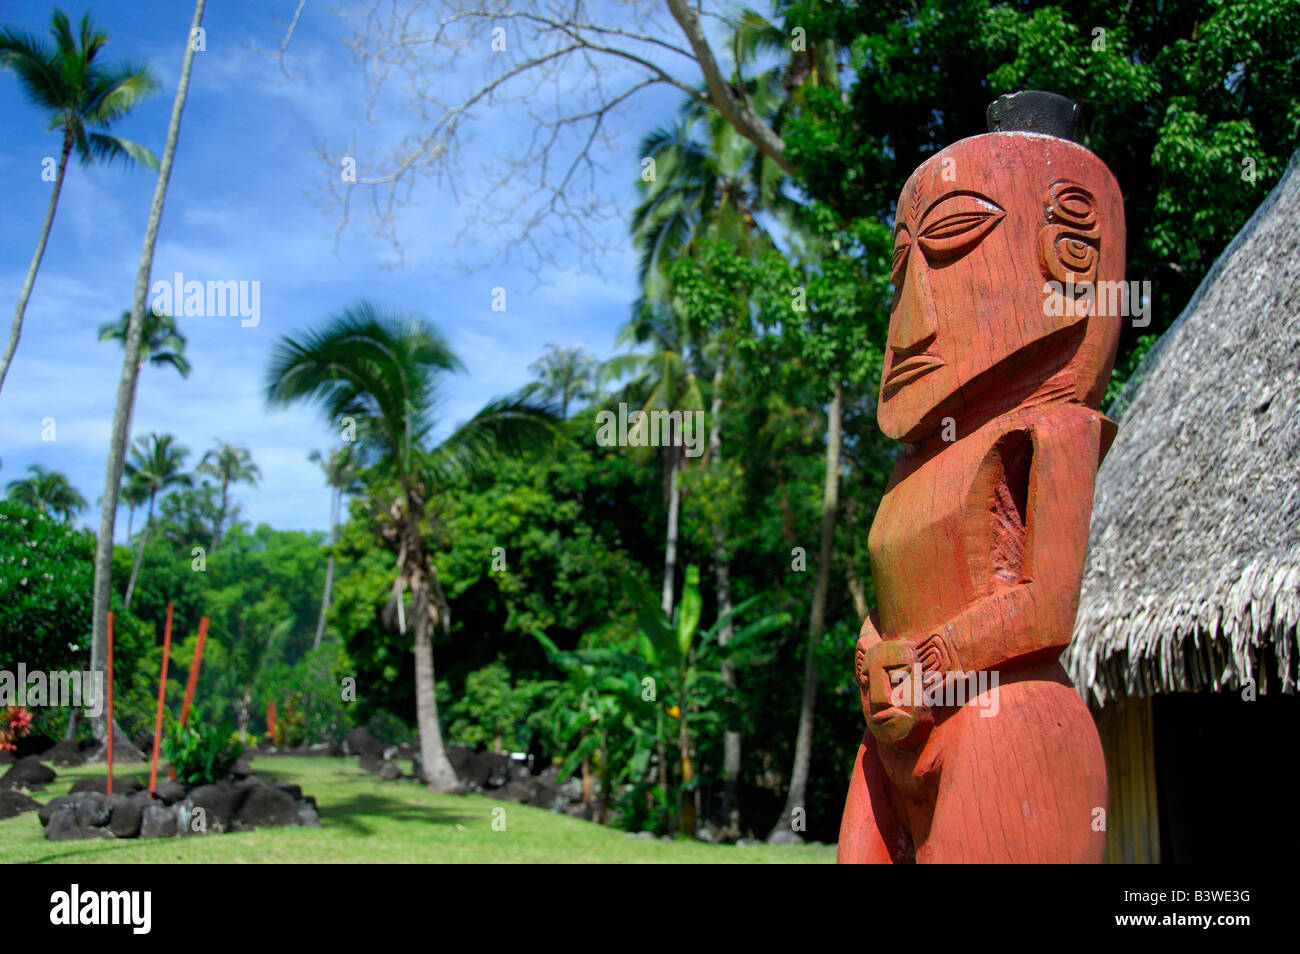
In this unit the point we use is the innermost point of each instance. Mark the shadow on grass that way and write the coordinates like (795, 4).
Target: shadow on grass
(353, 813)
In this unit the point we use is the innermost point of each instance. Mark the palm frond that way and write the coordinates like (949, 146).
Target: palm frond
(520, 422)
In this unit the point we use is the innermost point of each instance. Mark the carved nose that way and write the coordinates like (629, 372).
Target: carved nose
(917, 327)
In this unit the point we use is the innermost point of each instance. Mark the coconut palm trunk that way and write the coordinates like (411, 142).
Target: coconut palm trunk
(30, 281)
(329, 568)
(674, 517)
(221, 514)
(427, 610)
(722, 582)
(130, 370)
(797, 794)
(139, 557)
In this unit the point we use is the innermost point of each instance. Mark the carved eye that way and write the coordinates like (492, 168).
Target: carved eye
(956, 224)
(899, 263)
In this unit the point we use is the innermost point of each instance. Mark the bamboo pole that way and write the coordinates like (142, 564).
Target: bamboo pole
(162, 695)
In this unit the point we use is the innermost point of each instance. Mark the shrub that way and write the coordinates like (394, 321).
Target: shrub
(201, 755)
(15, 722)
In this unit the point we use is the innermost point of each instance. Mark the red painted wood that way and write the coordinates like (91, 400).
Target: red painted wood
(270, 719)
(193, 679)
(992, 379)
(162, 696)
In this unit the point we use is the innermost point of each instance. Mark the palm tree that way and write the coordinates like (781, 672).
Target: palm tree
(80, 98)
(156, 465)
(384, 371)
(134, 495)
(161, 344)
(566, 375)
(48, 491)
(228, 464)
(662, 378)
(130, 371)
(340, 469)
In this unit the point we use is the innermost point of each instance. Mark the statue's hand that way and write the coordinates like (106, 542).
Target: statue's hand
(932, 653)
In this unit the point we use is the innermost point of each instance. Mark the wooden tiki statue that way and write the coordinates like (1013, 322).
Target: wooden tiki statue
(978, 748)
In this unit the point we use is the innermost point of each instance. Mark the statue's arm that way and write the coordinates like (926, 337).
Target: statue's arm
(1034, 619)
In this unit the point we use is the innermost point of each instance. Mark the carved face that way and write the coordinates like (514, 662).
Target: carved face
(983, 228)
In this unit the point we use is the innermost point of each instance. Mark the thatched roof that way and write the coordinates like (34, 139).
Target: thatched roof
(1193, 574)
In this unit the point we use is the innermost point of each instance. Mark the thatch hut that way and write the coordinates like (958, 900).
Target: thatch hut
(1186, 641)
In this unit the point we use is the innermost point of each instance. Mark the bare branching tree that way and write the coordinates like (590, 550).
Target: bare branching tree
(545, 84)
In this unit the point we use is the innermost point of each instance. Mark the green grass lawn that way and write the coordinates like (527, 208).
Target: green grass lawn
(369, 820)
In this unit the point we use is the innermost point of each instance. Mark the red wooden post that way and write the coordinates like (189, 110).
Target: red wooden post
(194, 671)
(270, 720)
(109, 644)
(193, 679)
(162, 695)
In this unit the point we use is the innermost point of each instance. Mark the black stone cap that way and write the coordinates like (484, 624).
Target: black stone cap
(1033, 110)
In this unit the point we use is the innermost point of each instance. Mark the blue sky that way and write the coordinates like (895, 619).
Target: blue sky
(239, 208)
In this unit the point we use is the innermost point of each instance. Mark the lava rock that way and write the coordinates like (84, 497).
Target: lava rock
(93, 809)
(489, 770)
(370, 762)
(360, 742)
(33, 744)
(62, 826)
(389, 771)
(572, 789)
(241, 769)
(217, 803)
(170, 791)
(13, 804)
(550, 774)
(542, 795)
(460, 757)
(294, 790)
(29, 773)
(127, 814)
(64, 753)
(121, 786)
(158, 821)
(308, 816)
(266, 805)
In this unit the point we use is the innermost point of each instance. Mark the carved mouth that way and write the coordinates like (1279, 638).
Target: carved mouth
(905, 372)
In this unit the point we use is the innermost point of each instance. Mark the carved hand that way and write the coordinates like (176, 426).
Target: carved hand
(932, 653)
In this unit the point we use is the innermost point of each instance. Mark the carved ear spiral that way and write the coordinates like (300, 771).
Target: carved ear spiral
(1068, 243)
